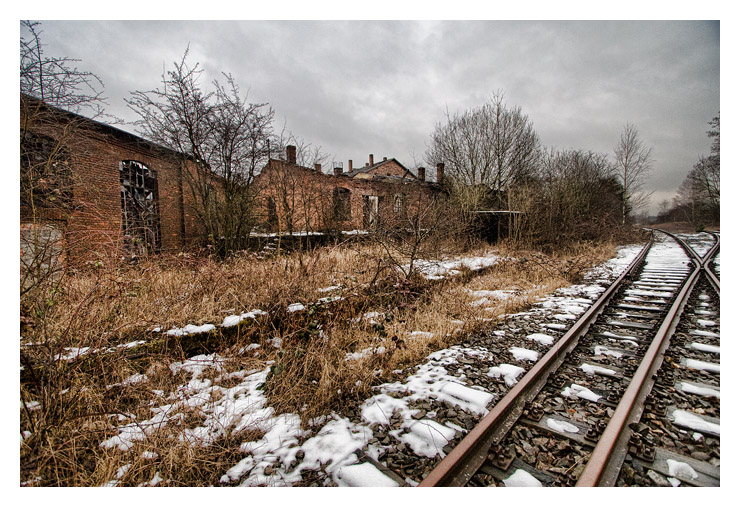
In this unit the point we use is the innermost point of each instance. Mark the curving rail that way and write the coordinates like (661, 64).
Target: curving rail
(606, 459)
(467, 457)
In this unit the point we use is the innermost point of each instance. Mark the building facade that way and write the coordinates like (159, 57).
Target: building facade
(98, 189)
(90, 189)
(295, 198)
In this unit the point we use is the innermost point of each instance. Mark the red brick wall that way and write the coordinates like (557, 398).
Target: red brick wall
(95, 223)
(309, 194)
(388, 168)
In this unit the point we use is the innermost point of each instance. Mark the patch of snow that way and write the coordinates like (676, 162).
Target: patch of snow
(233, 320)
(562, 426)
(699, 332)
(295, 307)
(191, 329)
(354, 356)
(592, 369)
(606, 351)
(701, 391)
(363, 475)
(426, 437)
(72, 353)
(130, 345)
(679, 468)
(437, 270)
(554, 326)
(692, 421)
(522, 354)
(564, 316)
(331, 299)
(329, 289)
(249, 347)
(544, 339)
(521, 478)
(702, 365)
(508, 371)
(576, 390)
(705, 348)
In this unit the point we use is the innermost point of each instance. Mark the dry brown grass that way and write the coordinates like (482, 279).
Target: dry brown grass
(311, 375)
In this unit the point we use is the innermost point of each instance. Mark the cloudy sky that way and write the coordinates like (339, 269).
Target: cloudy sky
(360, 87)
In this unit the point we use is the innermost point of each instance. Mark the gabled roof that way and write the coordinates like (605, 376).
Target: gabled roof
(370, 168)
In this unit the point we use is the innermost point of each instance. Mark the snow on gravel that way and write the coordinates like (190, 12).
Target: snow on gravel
(333, 443)
(509, 372)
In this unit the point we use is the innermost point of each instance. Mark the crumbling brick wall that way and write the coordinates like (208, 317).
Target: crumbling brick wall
(294, 198)
(93, 220)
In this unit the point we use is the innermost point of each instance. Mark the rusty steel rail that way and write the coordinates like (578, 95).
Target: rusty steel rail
(468, 456)
(702, 261)
(606, 459)
(708, 271)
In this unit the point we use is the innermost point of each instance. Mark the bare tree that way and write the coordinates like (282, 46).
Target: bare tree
(484, 150)
(297, 201)
(54, 80)
(572, 197)
(697, 200)
(632, 168)
(416, 225)
(51, 88)
(221, 141)
(706, 171)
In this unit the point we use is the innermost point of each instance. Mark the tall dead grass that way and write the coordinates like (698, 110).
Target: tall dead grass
(328, 357)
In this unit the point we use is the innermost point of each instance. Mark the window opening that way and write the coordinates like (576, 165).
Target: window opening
(342, 206)
(140, 208)
(399, 204)
(370, 211)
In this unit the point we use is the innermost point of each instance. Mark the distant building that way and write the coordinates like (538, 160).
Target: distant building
(295, 198)
(88, 188)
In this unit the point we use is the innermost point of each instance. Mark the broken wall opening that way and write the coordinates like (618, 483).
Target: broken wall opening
(139, 208)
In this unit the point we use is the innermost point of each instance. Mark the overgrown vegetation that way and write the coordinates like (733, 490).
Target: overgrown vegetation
(70, 406)
(86, 333)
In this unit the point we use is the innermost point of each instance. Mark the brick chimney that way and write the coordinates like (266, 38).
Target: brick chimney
(422, 173)
(385, 158)
(371, 159)
(317, 167)
(337, 171)
(440, 173)
(350, 167)
(290, 153)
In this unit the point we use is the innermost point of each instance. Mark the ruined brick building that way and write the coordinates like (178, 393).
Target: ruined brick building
(296, 198)
(88, 188)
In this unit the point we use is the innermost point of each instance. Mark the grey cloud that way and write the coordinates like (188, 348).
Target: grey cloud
(359, 87)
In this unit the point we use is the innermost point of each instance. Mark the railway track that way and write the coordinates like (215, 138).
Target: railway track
(628, 396)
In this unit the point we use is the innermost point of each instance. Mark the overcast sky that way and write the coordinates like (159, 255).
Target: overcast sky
(360, 87)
